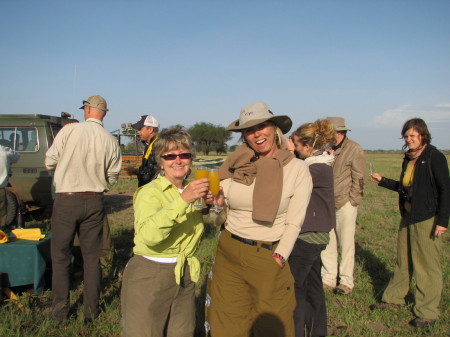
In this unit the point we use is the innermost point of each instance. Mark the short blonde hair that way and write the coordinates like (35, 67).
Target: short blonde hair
(173, 138)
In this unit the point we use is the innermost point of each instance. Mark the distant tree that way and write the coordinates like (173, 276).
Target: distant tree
(208, 137)
(233, 148)
(222, 149)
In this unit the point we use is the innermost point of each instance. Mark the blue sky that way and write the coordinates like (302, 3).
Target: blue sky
(375, 63)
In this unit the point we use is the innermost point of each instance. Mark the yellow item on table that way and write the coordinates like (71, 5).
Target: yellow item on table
(3, 237)
(28, 233)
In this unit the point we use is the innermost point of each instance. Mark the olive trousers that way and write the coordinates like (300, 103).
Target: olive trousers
(153, 304)
(418, 254)
(251, 295)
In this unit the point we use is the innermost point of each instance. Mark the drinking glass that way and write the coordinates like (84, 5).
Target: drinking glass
(371, 168)
(200, 172)
(214, 186)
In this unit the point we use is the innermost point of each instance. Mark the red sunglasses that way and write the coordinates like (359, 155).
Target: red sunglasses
(173, 156)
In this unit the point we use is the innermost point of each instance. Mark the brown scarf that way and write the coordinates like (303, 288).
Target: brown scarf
(413, 155)
(243, 166)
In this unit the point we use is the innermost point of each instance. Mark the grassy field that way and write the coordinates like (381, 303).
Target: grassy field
(377, 223)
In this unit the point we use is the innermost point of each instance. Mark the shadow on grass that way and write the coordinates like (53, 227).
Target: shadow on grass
(122, 242)
(378, 272)
(118, 202)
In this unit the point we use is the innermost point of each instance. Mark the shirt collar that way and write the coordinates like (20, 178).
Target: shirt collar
(95, 120)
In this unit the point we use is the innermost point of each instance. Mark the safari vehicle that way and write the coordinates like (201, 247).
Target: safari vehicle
(132, 149)
(30, 185)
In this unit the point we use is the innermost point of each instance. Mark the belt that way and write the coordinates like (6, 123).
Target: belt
(268, 246)
(79, 193)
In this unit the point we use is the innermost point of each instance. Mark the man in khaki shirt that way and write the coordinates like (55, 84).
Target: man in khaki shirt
(86, 158)
(348, 172)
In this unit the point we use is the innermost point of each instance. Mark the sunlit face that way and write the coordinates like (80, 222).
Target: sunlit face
(261, 138)
(145, 133)
(177, 169)
(303, 150)
(413, 139)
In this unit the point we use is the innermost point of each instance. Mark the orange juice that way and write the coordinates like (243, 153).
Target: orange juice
(214, 181)
(201, 172)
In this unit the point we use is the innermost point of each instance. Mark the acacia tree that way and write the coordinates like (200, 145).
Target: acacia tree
(208, 137)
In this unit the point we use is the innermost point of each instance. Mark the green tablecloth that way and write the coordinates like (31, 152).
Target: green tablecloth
(23, 262)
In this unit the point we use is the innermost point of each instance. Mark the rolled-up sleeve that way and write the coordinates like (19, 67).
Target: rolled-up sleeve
(115, 165)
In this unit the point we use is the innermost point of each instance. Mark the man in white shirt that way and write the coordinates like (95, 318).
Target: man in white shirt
(86, 158)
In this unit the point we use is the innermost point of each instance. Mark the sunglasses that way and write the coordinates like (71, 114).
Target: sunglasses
(173, 156)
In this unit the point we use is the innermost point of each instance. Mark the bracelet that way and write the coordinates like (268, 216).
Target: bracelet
(279, 256)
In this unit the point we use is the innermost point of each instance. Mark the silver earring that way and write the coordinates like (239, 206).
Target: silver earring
(161, 172)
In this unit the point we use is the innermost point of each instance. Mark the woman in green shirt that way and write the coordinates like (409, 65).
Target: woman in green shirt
(158, 281)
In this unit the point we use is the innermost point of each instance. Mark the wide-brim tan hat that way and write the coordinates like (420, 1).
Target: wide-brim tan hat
(258, 113)
(338, 123)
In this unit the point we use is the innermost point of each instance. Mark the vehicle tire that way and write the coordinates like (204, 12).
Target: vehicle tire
(12, 206)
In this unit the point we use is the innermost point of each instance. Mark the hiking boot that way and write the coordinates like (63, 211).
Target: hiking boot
(342, 290)
(420, 322)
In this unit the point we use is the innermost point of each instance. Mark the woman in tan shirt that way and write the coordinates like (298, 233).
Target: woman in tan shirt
(265, 193)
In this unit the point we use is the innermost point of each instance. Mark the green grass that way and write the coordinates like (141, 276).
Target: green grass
(378, 218)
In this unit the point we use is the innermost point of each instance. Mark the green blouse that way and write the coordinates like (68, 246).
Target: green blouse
(166, 226)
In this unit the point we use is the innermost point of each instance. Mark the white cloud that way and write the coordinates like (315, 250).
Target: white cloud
(397, 116)
(443, 105)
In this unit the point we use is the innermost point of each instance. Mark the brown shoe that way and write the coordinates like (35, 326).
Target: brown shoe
(420, 322)
(385, 306)
(342, 290)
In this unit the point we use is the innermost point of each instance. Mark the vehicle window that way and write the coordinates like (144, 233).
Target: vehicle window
(21, 139)
(55, 129)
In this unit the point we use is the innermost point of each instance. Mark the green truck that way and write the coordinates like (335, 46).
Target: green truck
(30, 185)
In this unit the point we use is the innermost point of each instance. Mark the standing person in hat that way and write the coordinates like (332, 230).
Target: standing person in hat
(265, 193)
(147, 128)
(348, 171)
(85, 158)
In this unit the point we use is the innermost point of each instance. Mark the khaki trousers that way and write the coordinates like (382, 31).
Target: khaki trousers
(418, 254)
(341, 239)
(152, 302)
(251, 295)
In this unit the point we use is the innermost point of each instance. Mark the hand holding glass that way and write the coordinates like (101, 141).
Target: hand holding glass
(200, 172)
(214, 187)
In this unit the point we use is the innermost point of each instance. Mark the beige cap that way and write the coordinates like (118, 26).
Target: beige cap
(95, 101)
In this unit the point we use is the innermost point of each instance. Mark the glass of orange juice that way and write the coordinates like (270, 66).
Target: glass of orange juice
(200, 172)
(214, 186)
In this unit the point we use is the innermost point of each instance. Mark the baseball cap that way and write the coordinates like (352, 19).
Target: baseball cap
(95, 101)
(146, 120)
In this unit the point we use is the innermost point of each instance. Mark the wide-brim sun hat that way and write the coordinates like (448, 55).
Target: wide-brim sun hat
(258, 113)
